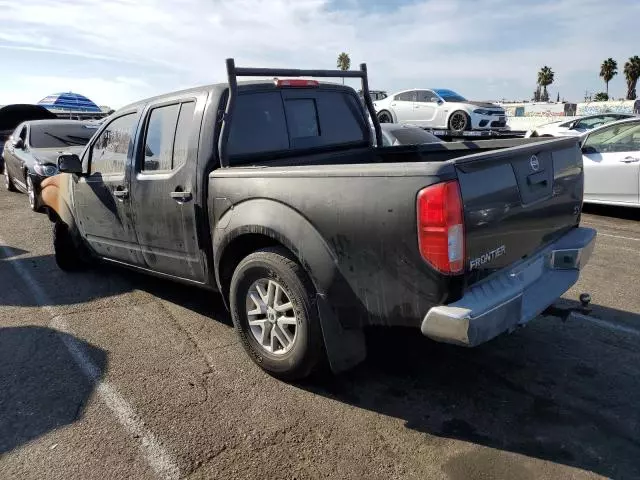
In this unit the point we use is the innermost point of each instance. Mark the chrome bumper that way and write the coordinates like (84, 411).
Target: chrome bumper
(512, 297)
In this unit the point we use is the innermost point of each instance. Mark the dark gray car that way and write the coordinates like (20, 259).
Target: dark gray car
(31, 153)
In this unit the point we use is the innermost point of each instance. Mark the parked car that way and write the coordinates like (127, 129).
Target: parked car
(400, 134)
(575, 127)
(31, 154)
(272, 193)
(611, 157)
(440, 108)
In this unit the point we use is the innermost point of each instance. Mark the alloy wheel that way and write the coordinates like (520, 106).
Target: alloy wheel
(271, 316)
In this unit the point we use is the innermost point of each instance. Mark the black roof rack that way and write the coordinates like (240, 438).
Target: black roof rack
(233, 72)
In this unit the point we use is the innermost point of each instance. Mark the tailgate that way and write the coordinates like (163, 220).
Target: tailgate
(517, 200)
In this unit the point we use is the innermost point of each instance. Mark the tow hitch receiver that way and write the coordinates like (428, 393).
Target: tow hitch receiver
(564, 312)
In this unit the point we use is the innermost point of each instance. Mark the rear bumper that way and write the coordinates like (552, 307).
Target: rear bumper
(514, 296)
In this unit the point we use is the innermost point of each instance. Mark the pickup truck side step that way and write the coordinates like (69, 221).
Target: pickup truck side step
(233, 72)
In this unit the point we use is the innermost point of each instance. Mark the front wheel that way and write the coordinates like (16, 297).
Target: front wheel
(8, 181)
(274, 312)
(68, 257)
(31, 193)
(459, 121)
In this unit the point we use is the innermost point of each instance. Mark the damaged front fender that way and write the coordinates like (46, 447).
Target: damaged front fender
(55, 192)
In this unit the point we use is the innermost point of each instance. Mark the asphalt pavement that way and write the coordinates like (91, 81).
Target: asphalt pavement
(109, 374)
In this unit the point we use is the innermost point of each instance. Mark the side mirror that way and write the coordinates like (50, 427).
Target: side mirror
(19, 144)
(69, 163)
(439, 101)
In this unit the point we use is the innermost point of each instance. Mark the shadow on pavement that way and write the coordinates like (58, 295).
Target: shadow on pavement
(562, 392)
(624, 213)
(41, 386)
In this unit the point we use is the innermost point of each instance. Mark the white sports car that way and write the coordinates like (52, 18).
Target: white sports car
(440, 108)
(575, 127)
(611, 159)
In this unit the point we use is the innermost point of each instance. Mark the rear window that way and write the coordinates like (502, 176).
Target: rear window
(59, 135)
(269, 122)
(413, 136)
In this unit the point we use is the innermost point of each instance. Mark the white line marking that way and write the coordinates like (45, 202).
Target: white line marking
(607, 324)
(618, 236)
(156, 455)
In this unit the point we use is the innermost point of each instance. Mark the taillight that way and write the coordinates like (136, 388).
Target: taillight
(295, 83)
(441, 227)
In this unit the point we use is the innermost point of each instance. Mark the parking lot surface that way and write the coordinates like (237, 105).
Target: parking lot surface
(109, 374)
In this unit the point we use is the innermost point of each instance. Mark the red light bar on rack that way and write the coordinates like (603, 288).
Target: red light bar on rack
(295, 82)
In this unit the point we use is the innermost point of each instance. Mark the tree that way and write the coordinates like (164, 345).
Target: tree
(344, 63)
(631, 74)
(558, 99)
(545, 78)
(601, 97)
(608, 70)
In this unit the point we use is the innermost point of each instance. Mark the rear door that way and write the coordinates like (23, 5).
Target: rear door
(164, 188)
(518, 199)
(425, 108)
(13, 158)
(611, 158)
(102, 198)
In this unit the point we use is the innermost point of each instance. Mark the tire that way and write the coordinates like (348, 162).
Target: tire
(385, 116)
(261, 274)
(8, 181)
(31, 194)
(68, 257)
(459, 121)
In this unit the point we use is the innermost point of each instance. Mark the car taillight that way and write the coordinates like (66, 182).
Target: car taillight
(296, 83)
(441, 227)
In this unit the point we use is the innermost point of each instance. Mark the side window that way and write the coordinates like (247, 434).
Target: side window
(183, 130)
(159, 136)
(406, 96)
(615, 138)
(426, 96)
(258, 124)
(110, 150)
(23, 134)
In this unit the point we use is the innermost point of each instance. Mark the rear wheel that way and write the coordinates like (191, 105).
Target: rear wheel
(68, 257)
(459, 121)
(385, 117)
(273, 309)
(8, 181)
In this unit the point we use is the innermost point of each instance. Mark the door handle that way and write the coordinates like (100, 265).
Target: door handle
(180, 196)
(630, 160)
(121, 193)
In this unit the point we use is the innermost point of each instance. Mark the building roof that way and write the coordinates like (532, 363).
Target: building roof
(69, 101)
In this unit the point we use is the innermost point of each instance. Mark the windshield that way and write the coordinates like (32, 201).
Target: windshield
(449, 95)
(60, 136)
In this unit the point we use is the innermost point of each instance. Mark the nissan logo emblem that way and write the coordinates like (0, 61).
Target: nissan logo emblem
(535, 164)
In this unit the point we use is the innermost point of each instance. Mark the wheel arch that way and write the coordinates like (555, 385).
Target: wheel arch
(55, 195)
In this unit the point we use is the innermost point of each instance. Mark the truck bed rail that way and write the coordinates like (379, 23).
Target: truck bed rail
(234, 72)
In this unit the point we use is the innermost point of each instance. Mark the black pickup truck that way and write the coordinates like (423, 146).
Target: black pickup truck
(278, 194)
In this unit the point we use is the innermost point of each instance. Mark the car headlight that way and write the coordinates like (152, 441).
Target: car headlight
(481, 111)
(45, 170)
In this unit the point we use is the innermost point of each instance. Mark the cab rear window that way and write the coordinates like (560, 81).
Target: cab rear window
(292, 120)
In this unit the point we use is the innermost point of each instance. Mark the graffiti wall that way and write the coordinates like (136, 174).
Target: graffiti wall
(544, 110)
(620, 106)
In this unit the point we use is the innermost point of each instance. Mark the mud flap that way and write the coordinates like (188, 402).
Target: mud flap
(345, 347)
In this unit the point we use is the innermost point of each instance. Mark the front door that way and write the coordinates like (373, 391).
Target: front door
(425, 108)
(164, 188)
(611, 157)
(102, 199)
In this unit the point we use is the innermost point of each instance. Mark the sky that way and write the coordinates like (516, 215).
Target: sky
(119, 51)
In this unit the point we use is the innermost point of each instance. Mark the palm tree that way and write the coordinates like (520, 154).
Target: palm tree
(608, 70)
(344, 63)
(631, 74)
(545, 78)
